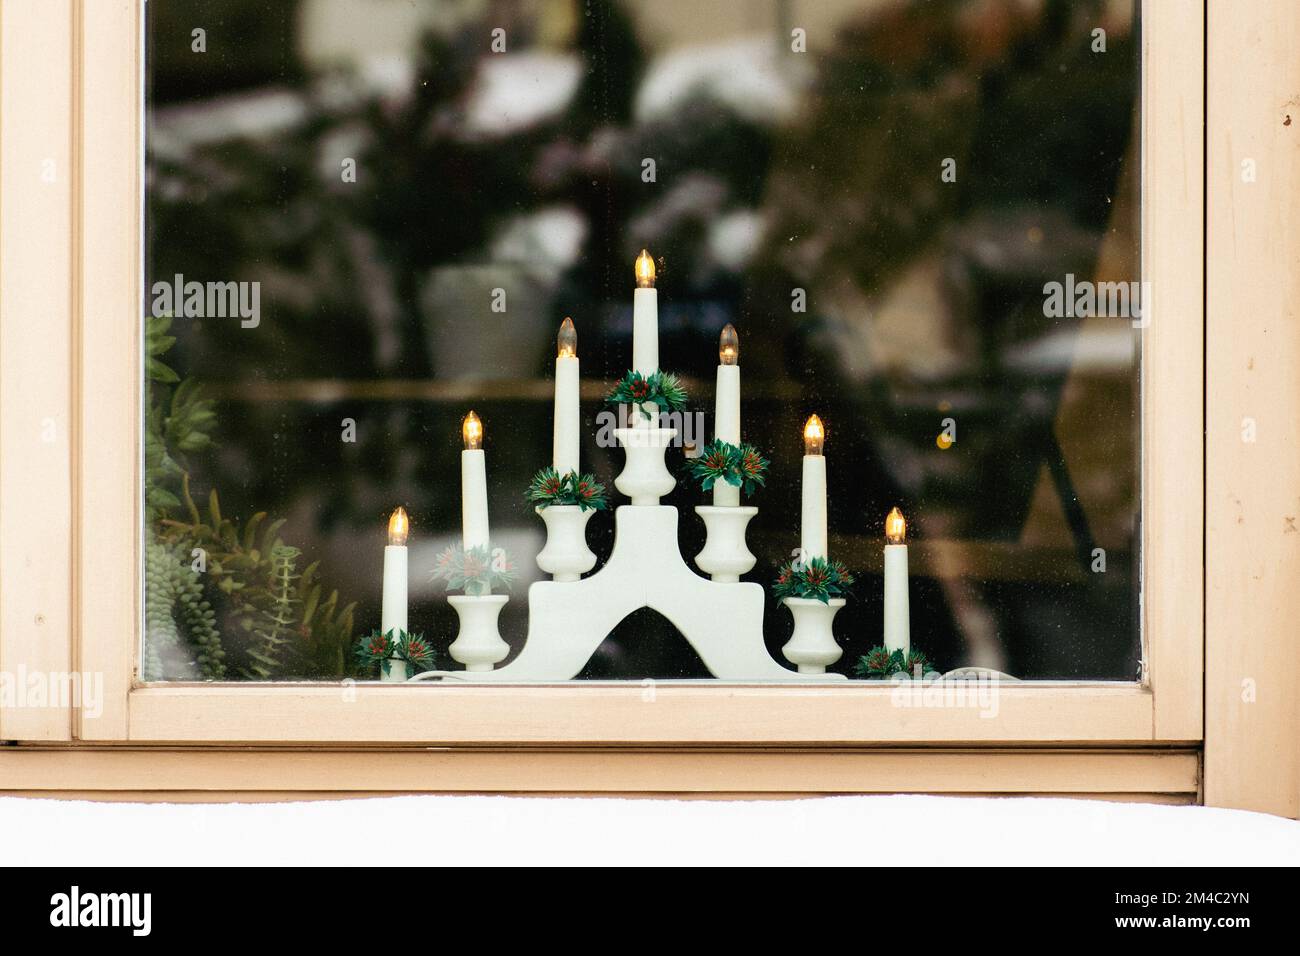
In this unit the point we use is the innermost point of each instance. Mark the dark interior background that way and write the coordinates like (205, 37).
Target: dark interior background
(776, 170)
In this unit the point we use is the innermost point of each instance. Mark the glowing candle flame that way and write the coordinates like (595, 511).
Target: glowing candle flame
(645, 271)
(399, 526)
(471, 430)
(729, 346)
(566, 343)
(895, 527)
(814, 436)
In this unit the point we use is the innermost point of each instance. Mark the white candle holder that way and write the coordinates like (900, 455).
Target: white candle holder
(812, 645)
(566, 556)
(644, 415)
(478, 645)
(725, 556)
(645, 478)
(396, 672)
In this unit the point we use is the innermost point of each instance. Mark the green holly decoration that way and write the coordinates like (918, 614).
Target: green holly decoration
(549, 488)
(378, 650)
(916, 664)
(419, 652)
(671, 395)
(474, 571)
(713, 465)
(740, 465)
(662, 389)
(751, 466)
(817, 579)
(587, 493)
(880, 662)
(546, 488)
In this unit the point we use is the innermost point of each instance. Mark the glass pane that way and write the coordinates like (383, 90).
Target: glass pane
(921, 218)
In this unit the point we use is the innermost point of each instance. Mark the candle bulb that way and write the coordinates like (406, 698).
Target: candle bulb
(399, 527)
(726, 410)
(645, 317)
(897, 612)
(729, 346)
(566, 433)
(814, 436)
(645, 271)
(471, 432)
(566, 340)
(392, 615)
(812, 528)
(473, 486)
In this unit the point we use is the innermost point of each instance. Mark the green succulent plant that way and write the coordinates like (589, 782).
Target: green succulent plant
(222, 597)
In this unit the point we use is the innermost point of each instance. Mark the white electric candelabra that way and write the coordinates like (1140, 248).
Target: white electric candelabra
(720, 616)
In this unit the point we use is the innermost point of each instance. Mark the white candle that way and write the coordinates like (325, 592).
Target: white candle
(473, 499)
(726, 408)
(392, 615)
(565, 438)
(473, 488)
(898, 617)
(812, 526)
(645, 317)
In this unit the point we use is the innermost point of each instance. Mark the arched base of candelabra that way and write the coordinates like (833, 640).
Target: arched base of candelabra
(567, 621)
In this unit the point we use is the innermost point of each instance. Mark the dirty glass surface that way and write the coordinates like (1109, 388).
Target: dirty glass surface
(916, 214)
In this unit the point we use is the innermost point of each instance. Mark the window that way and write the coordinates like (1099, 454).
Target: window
(880, 200)
(116, 199)
(74, 251)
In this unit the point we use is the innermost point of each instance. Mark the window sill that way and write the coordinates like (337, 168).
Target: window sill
(599, 713)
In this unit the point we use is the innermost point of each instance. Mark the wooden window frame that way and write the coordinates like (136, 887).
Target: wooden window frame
(1252, 556)
(38, 183)
(80, 575)
(1166, 707)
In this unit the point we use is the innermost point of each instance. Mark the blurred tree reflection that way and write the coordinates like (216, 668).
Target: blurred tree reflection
(923, 296)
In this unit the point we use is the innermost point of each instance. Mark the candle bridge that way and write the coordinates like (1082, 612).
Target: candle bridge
(571, 615)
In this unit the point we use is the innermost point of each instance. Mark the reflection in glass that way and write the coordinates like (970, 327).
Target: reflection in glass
(880, 213)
